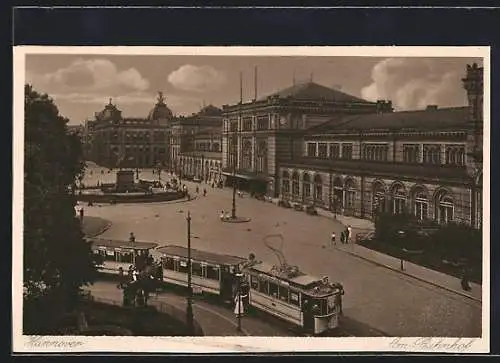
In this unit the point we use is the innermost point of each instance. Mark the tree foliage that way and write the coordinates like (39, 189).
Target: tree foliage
(57, 259)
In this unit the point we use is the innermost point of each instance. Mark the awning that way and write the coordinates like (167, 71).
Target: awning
(244, 176)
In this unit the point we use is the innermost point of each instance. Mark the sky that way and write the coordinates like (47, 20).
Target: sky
(82, 85)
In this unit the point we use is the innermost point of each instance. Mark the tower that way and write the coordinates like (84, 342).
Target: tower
(473, 84)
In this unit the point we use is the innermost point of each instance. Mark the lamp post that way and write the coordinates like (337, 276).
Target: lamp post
(189, 310)
(234, 151)
(239, 300)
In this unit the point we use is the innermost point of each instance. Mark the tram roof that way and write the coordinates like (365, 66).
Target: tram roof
(199, 255)
(301, 279)
(104, 242)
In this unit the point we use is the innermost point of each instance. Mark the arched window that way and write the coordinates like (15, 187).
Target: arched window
(318, 188)
(350, 196)
(398, 199)
(285, 183)
(261, 166)
(295, 185)
(306, 186)
(421, 203)
(246, 155)
(338, 195)
(378, 197)
(444, 207)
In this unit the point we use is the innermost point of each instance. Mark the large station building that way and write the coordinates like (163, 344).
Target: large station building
(315, 145)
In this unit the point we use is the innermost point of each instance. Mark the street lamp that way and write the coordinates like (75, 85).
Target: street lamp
(234, 151)
(189, 310)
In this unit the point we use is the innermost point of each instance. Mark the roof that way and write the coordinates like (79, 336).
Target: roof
(317, 92)
(199, 255)
(422, 119)
(102, 242)
(244, 174)
(311, 284)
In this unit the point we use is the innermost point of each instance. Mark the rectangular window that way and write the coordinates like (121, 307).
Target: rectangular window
(411, 153)
(263, 288)
(322, 151)
(234, 126)
(334, 151)
(212, 273)
(183, 267)
(347, 151)
(294, 298)
(254, 282)
(247, 124)
(262, 123)
(197, 269)
(283, 293)
(311, 149)
(168, 263)
(273, 289)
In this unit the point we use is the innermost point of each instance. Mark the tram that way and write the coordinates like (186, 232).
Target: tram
(210, 272)
(307, 302)
(120, 255)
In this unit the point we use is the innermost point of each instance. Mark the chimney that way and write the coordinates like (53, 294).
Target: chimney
(431, 108)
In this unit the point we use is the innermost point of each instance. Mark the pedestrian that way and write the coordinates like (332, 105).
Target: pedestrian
(342, 237)
(333, 241)
(213, 185)
(197, 190)
(222, 215)
(349, 233)
(204, 192)
(465, 279)
(338, 297)
(239, 308)
(120, 278)
(131, 237)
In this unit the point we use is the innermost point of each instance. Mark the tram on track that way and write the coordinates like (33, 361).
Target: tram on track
(307, 302)
(120, 255)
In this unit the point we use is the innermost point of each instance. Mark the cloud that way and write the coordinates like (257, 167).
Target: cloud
(90, 75)
(413, 83)
(197, 78)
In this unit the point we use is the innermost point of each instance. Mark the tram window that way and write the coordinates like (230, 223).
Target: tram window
(196, 269)
(294, 298)
(283, 291)
(168, 263)
(183, 267)
(212, 273)
(321, 303)
(254, 281)
(110, 256)
(273, 289)
(263, 286)
(125, 257)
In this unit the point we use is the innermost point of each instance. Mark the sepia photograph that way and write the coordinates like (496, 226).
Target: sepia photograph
(257, 199)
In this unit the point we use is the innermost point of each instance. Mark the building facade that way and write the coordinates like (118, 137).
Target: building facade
(116, 141)
(313, 145)
(196, 145)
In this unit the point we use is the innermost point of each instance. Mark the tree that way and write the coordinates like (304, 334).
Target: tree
(57, 259)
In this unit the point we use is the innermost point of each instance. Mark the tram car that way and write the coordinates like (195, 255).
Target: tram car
(210, 272)
(120, 254)
(307, 302)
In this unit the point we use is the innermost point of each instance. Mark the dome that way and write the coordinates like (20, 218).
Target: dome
(160, 111)
(109, 112)
(210, 110)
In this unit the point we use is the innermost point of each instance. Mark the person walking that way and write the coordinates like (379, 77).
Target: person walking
(333, 241)
(239, 308)
(222, 215)
(342, 237)
(204, 192)
(349, 234)
(197, 189)
(465, 279)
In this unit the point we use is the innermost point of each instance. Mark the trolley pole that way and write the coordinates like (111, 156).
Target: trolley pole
(189, 310)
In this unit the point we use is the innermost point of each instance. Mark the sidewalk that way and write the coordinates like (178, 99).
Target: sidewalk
(435, 278)
(214, 320)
